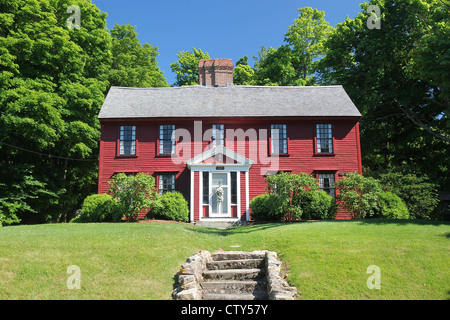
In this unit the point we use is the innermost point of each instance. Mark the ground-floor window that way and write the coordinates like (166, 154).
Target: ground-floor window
(233, 187)
(166, 183)
(205, 179)
(326, 183)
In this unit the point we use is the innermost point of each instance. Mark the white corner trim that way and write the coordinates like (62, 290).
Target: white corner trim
(247, 191)
(192, 197)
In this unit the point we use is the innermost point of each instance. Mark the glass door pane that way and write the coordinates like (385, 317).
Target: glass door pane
(219, 199)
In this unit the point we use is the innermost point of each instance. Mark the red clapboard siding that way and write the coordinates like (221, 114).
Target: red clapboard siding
(301, 151)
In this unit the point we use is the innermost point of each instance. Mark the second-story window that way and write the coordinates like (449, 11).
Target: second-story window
(278, 135)
(167, 139)
(127, 145)
(218, 135)
(324, 136)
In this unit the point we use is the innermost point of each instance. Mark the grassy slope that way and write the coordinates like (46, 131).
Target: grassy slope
(325, 260)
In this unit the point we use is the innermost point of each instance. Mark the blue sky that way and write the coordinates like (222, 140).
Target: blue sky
(225, 29)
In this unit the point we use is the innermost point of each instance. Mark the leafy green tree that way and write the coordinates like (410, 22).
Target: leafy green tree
(53, 86)
(243, 72)
(186, 68)
(54, 79)
(134, 194)
(17, 195)
(275, 67)
(133, 64)
(294, 63)
(305, 38)
(396, 76)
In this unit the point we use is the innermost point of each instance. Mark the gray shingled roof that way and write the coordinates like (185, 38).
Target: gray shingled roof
(230, 101)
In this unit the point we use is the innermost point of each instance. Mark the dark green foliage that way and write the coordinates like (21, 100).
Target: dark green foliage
(171, 206)
(98, 208)
(391, 206)
(16, 197)
(52, 89)
(53, 82)
(417, 192)
(397, 76)
(266, 207)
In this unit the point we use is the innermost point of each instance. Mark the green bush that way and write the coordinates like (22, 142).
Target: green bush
(318, 205)
(392, 206)
(291, 189)
(135, 193)
(292, 197)
(358, 195)
(418, 193)
(266, 207)
(171, 206)
(98, 208)
(315, 204)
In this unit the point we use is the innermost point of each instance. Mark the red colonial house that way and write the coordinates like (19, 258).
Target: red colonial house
(216, 142)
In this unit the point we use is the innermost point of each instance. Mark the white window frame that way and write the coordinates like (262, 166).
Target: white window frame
(327, 186)
(324, 136)
(277, 130)
(163, 139)
(127, 141)
(218, 135)
(162, 181)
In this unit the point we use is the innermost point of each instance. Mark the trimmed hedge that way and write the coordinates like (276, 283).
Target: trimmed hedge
(314, 205)
(171, 206)
(318, 205)
(266, 207)
(98, 208)
(392, 206)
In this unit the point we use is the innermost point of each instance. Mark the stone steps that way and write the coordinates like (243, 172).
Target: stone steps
(261, 295)
(232, 275)
(236, 286)
(235, 264)
(237, 255)
(235, 275)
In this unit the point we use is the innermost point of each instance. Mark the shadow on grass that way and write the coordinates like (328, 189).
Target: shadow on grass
(400, 222)
(261, 226)
(237, 230)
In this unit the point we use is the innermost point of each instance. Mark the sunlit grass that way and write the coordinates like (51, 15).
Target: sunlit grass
(324, 260)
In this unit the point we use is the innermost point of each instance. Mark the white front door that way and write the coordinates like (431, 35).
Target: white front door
(219, 199)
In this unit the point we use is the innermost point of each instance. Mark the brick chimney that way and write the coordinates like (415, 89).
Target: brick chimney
(216, 72)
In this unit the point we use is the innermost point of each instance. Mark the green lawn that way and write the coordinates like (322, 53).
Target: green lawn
(324, 260)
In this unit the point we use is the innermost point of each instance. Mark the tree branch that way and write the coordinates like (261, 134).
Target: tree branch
(421, 124)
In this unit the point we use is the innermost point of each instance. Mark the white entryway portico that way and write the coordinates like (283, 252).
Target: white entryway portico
(219, 185)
